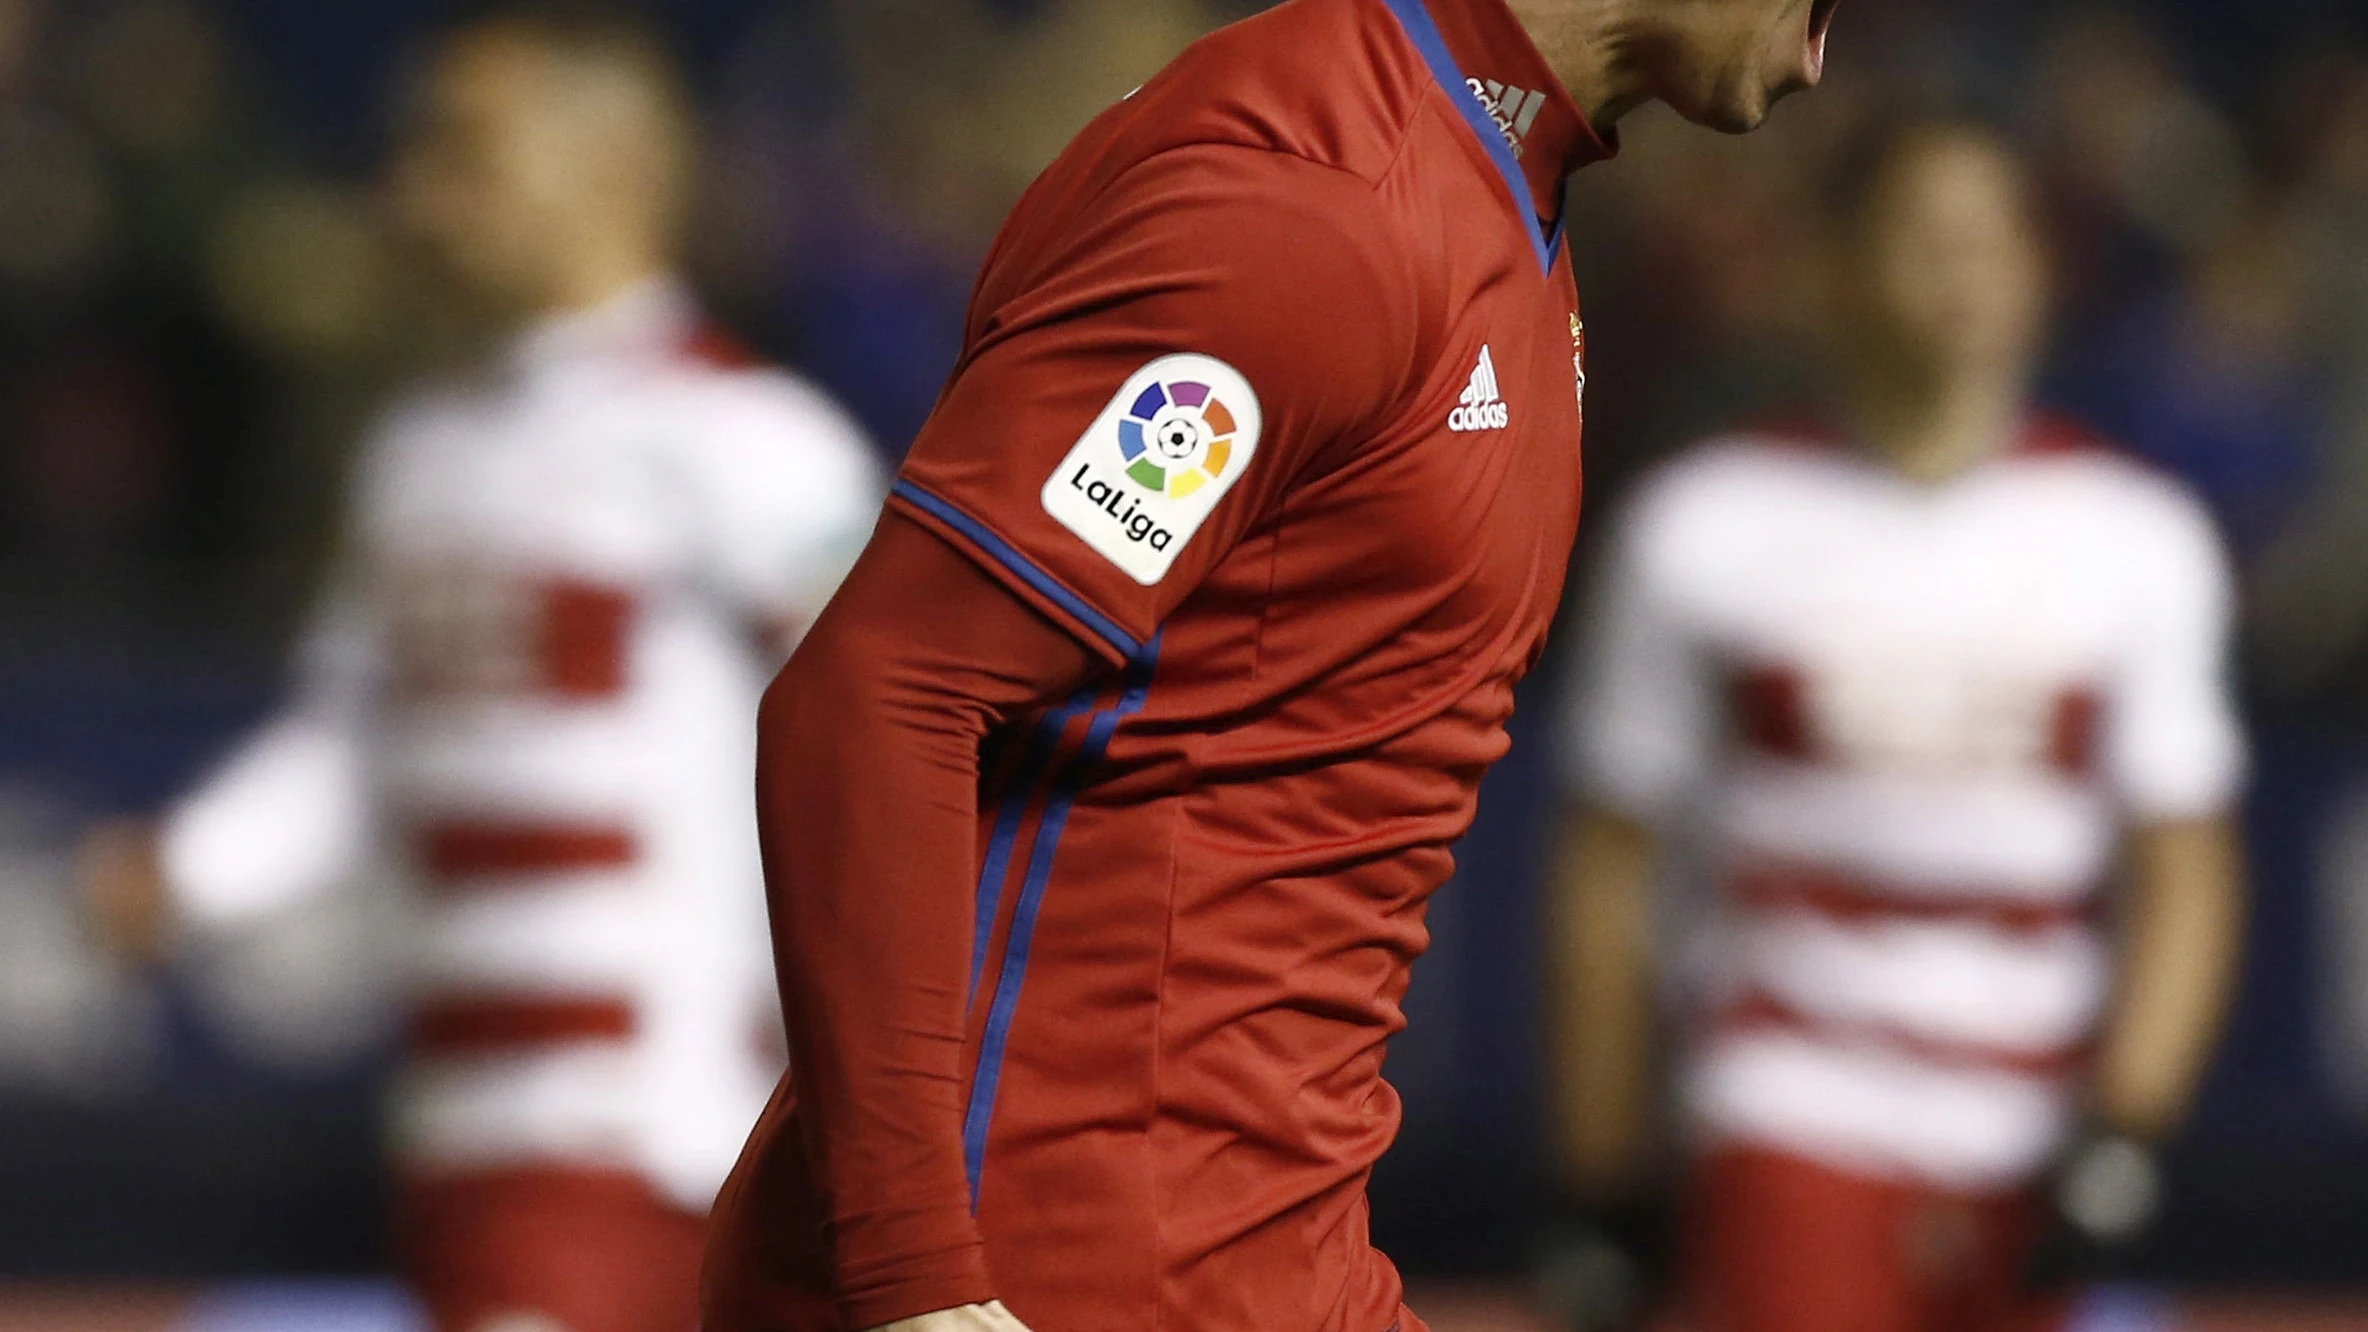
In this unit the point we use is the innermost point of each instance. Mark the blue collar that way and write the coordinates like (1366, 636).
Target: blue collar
(1423, 30)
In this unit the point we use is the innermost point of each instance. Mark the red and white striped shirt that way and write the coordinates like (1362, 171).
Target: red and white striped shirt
(532, 693)
(1909, 724)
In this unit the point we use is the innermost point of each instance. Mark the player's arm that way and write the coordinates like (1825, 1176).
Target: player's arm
(1638, 738)
(1601, 970)
(868, 779)
(2175, 756)
(1601, 1257)
(2182, 937)
(1268, 301)
(1639, 733)
(282, 817)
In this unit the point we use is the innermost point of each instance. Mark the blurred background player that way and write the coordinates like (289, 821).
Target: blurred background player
(1945, 688)
(568, 571)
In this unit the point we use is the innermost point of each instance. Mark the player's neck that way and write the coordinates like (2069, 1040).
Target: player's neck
(583, 280)
(623, 303)
(1939, 430)
(599, 279)
(1596, 48)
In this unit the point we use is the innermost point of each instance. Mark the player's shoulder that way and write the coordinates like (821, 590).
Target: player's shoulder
(1256, 167)
(1696, 517)
(2104, 485)
(421, 426)
(726, 389)
(1328, 83)
(2108, 511)
(439, 400)
(716, 408)
(1705, 516)
(1305, 105)
(1733, 475)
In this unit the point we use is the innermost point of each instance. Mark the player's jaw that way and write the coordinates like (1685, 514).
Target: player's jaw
(1743, 58)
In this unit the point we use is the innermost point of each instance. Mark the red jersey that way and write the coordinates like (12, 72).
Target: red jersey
(1272, 394)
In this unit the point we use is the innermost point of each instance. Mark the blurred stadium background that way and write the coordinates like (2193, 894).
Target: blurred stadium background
(196, 313)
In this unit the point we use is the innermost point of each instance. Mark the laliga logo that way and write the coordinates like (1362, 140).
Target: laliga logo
(1152, 468)
(1175, 439)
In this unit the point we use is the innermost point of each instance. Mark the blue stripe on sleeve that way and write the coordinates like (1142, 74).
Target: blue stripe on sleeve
(979, 1118)
(997, 866)
(1001, 551)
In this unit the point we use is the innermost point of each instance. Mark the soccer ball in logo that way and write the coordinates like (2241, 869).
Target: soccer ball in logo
(1177, 438)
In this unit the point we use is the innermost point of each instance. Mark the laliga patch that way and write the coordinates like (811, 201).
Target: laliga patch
(1151, 469)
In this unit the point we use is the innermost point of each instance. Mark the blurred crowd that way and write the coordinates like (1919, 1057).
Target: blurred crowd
(198, 311)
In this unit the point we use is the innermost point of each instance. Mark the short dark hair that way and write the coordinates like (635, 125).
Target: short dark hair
(1867, 163)
(616, 28)
(612, 38)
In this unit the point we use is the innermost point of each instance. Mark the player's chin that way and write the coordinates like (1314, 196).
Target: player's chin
(1746, 108)
(1740, 120)
(1732, 110)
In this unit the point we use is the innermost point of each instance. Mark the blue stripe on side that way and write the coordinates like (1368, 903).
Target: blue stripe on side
(980, 1116)
(1423, 30)
(1045, 584)
(1007, 830)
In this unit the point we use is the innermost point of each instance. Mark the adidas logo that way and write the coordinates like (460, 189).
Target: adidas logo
(1513, 109)
(1482, 407)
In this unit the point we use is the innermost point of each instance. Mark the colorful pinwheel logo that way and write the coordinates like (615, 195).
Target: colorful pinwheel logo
(1177, 438)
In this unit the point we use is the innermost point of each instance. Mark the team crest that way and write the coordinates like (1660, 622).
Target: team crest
(1150, 470)
(1578, 358)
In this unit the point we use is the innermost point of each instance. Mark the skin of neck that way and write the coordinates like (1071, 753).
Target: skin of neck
(604, 249)
(1934, 421)
(597, 275)
(1600, 49)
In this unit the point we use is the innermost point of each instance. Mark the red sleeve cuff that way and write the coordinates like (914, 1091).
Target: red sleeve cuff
(946, 1280)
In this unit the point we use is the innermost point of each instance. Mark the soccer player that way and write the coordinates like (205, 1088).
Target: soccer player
(1943, 690)
(1101, 807)
(570, 570)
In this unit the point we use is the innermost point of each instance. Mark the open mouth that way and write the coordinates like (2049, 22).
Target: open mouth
(1821, 20)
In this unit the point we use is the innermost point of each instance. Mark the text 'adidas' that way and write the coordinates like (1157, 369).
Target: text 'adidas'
(1482, 407)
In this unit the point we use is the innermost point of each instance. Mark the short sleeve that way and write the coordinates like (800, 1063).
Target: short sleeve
(286, 815)
(2174, 745)
(1193, 340)
(784, 492)
(1643, 718)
